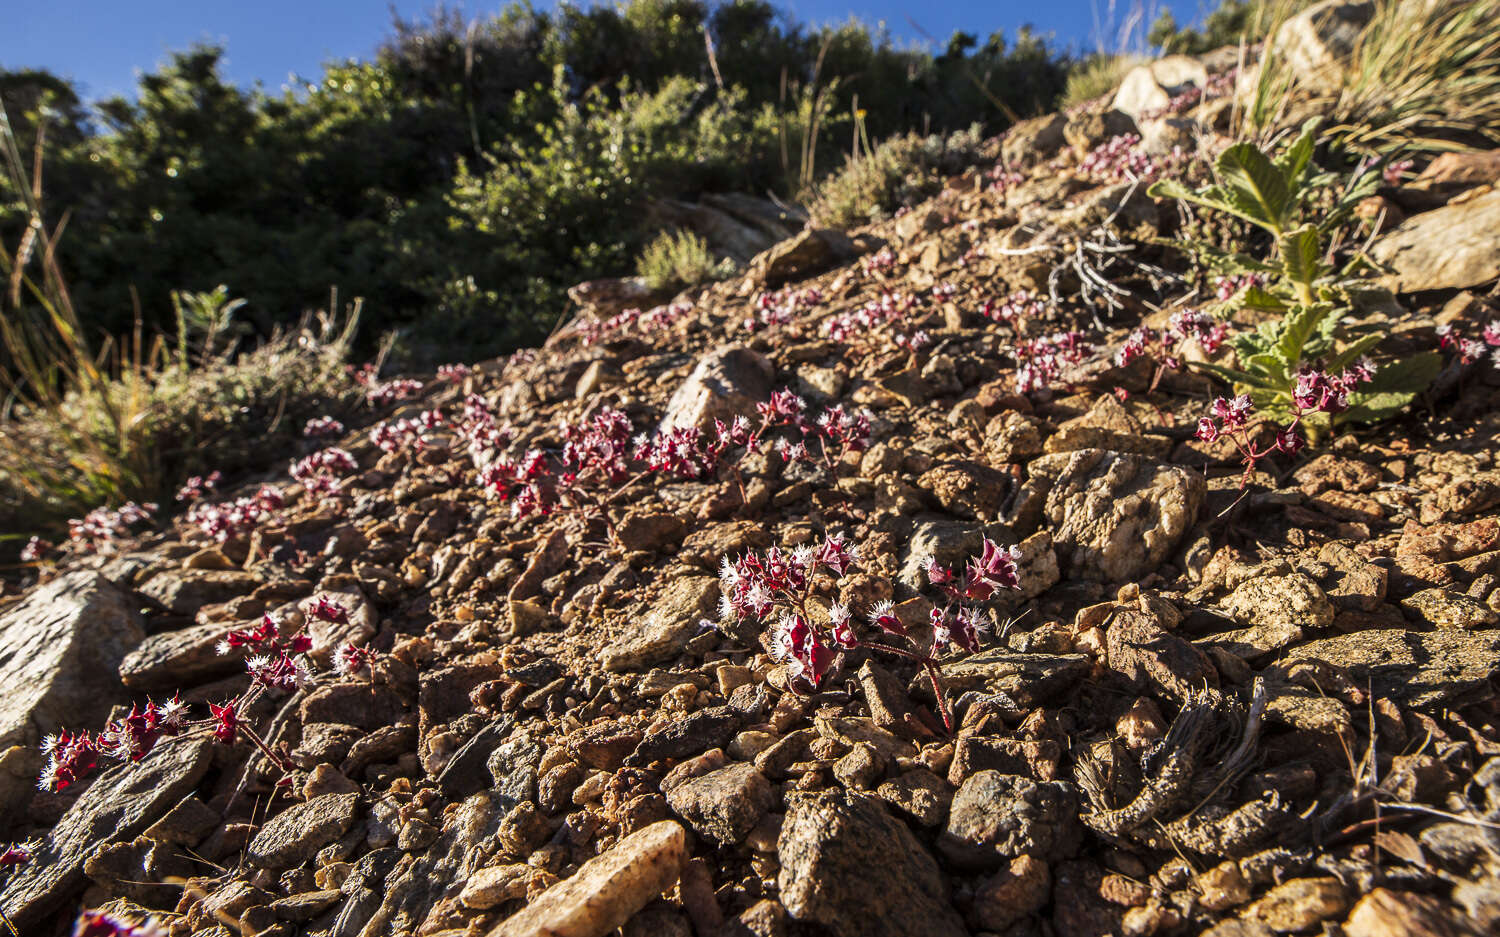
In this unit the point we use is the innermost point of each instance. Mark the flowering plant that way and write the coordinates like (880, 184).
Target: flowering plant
(276, 662)
(1299, 289)
(787, 590)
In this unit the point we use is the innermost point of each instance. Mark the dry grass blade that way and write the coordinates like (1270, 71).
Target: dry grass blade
(1423, 76)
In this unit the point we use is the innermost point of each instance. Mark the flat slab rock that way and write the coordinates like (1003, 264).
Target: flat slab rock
(59, 651)
(1420, 669)
(297, 833)
(850, 866)
(117, 807)
(607, 890)
(185, 657)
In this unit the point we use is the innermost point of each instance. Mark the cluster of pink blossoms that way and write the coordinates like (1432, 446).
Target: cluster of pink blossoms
(1226, 288)
(1471, 349)
(780, 307)
(1315, 391)
(388, 393)
(453, 373)
(882, 261)
(890, 312)
(18, 854)
(35, 549)
(1165, 345)
(101, 525)
(198, 485)
(275, 662)
(1123, 159)
(1002, 179)
(71, 756)
(480, 431)
(778, 588)
(1015, 309)
(1393, 173)
(1040, 361)
(105, 924)
(594, 331)
(322, 426)
(238, 517)
(320, 472)
(407, 432)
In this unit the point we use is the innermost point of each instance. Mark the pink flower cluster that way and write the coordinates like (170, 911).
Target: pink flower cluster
(275, 662)
(320, 472)
(407, 432)
(780, 588)
(1226, 288)
(238, 517)
(392, 391)
(1471, 349)
(322, 426)
(453, 373)
(1165, 345)
(1315, 391)
(482, 434)
(780, 307)
(101, 525)
(195, 487)
(70, 757)
(105, 924)
(1015, 309)
(18, 854)
(1002, 179)
(1396, 171)
(888, 313)
(594, 331)
(1123, 159)
(882, 261)
(35, 549)
(1040, 361)
(775, 587)
(837, 432)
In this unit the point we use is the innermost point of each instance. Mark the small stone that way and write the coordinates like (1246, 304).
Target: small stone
(296, 834)
(326, 779)
(1444, 608)
(604, 745)
(1022, 888)
(1222, 887)
(920, 794)
(995, 817)
(1280, 600)
(493, 886)
(1299, 904)
(848, 865)
(861, 767)
(723, 805)
(671, 621)
(607, 890)
(1386, 913)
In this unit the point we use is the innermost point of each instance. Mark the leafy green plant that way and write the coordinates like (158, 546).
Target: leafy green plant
(679, 259)
(1298, 286)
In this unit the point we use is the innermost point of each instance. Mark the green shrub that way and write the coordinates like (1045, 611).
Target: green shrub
(674, 260)
(897, 172)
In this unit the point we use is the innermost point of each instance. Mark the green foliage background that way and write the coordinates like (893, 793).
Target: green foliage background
(470, 172)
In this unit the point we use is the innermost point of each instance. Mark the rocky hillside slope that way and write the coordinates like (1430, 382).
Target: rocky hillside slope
(1201, 703)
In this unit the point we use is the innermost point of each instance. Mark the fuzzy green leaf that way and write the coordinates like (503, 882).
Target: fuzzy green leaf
(1261, 299)
(1301, 254)
(1360, 346)
(1259, 189)
(1392, 388)
(1298, 326)
(1294, 160)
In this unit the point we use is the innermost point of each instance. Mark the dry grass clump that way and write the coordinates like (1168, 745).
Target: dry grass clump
(1097, 76)
(83, 426)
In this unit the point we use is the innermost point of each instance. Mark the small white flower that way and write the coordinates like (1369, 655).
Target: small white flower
(223, 648)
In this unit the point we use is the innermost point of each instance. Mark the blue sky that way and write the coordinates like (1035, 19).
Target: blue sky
(103, 44)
